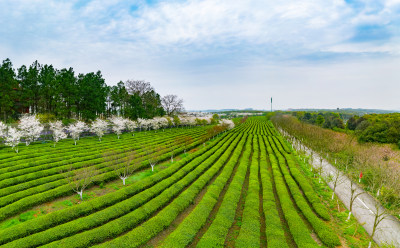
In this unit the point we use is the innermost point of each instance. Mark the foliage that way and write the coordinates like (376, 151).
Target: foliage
(63, 94)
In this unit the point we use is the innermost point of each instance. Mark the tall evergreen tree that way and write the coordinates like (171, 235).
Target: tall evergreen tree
(92, 94)
(8, 89)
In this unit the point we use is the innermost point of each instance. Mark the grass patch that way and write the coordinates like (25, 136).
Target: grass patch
(27, 216)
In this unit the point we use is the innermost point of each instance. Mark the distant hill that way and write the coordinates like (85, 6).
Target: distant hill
(226, 110)
(358, 111)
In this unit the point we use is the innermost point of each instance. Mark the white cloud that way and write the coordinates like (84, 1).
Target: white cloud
(200, 48)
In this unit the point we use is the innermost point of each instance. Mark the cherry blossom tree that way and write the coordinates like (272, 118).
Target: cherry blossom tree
(99, 127)
(228, 124)
(76, 129)
(162, 122)
(30, 127)
(131, 126)
(3, 129)
(58, 131)
(118, 124)
(154, 124)
(145, 124)
(13, 138)
(139, 122)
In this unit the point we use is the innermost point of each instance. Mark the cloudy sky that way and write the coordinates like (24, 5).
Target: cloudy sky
(220, 53)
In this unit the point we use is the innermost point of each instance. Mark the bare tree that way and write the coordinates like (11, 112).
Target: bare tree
(388, 197)
(354, 193)
(123, 167)
(173, 145)
(336, 179)
(80, 179)
(172, 104)
(153, 155)
(185, 141)
(138, 86)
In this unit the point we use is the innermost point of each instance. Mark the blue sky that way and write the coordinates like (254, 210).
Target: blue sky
(220, 54)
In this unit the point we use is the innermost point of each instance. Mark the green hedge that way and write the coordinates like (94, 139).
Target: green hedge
(184, 234)
(273, 230)
(216, 233)
(164, 218)
(85, 208)
(305, 186)
(298, 229)
(123, 216)
(324, 232)
(249, 234)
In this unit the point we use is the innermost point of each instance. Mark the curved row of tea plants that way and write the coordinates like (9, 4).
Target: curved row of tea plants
(86, 208)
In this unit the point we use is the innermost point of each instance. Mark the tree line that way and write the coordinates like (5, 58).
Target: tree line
(329, 120)
(381, 128)
(65, 94)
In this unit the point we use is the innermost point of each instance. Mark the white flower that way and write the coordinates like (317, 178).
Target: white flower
(58, 131)
(118, 124)
(3, 129)
(228, 123)
(76, 129)
(131, 125)
(30, 127)
(99, 127)
(13, 138)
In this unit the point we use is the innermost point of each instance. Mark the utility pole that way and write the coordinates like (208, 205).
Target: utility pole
(271, 104)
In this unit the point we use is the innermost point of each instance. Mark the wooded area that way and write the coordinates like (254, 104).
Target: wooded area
(64, 94)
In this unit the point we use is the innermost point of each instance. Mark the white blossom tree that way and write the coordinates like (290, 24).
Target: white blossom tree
(58, 131)
(184, 121)
(154, 124)
(99, 127)
(118, 124)
(30, 127)
(227, 123)
(13, 138)
(76, 129)
(3, 129)
(145, 124)
(162, 122)
(131, 126)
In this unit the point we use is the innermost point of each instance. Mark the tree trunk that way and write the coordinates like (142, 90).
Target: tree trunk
(80, 193)
(348, 218)
(123, 180)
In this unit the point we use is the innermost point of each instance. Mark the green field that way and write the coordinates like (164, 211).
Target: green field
(245, 188)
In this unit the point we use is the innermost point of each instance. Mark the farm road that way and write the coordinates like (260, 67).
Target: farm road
(364, 206)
